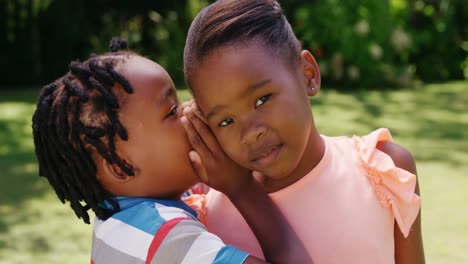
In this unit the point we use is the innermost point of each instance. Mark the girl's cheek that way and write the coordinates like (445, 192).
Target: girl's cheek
(228, 145)
(222, 141)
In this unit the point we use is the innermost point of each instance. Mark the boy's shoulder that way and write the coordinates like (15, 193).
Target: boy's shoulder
(156, 231)
(148, 215)
(129, 233)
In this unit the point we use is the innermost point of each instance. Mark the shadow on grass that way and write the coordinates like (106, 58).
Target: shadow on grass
(19, 176)
(432, 120)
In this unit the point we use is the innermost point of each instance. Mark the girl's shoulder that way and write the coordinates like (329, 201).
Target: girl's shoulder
(391, 170)
(378, 150)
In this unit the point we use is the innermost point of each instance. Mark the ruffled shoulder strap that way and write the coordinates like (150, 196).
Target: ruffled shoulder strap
(394, 186)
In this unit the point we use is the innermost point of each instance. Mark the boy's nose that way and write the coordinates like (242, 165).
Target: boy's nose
(252, 133)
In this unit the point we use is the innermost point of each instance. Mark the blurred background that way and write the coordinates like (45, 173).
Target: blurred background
(401, 64)
(358, 43)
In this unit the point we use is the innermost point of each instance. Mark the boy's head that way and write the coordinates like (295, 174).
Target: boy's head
(111, 127)
(251, 80)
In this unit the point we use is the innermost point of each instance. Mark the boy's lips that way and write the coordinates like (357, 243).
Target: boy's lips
(266, 155)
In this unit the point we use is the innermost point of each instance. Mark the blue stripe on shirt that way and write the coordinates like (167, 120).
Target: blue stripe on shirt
(230, 254)
(149, 220)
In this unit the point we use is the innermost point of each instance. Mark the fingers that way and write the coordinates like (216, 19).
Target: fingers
(187, 104)
(258, 176)
(195, 140)
(203, 131)
(197, 165)
(193, 106)
(196, 110)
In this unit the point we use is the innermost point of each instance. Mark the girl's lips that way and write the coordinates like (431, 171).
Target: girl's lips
(268, 156)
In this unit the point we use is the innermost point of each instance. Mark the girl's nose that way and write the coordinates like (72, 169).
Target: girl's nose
(252, 132)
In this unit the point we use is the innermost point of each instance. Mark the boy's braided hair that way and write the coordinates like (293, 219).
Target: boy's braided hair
(76, 117)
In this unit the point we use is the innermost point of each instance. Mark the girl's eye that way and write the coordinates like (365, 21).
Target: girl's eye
(226, 122)
(173, 111)
(262, 100)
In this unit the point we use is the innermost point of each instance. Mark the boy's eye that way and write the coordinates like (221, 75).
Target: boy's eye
(262, 100)
(173, 111)
(226, 122)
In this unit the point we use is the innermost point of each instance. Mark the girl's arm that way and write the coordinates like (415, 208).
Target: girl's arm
(279, 242)
(409, 249)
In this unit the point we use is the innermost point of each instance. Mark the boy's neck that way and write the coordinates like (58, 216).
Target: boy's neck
(313, 154)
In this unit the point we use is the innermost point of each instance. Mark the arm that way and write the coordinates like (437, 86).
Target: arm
(410, 249)
(279, 242)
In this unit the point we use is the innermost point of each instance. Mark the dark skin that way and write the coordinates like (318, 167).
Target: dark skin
(409, 249)
(259, 111)
(258, 108)
(157, 150)
(245, 193)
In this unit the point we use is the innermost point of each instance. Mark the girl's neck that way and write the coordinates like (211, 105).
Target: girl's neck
(313, 153)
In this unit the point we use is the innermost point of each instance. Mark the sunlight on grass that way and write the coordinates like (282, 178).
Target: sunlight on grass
(445, 214)
(11, 111)
(431, 122)
(45, 232)
(15, 121)
(34, 226)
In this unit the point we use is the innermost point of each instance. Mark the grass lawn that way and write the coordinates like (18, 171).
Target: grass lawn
(431, 121)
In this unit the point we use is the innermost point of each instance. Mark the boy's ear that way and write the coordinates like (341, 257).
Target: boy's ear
(311, 73)
(114, 173)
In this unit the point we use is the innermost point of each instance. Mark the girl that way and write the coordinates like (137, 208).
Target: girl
(349, 199)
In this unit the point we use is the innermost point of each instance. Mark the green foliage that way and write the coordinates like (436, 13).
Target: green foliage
(439, 30)
(369, 43)
(357, 43)
(40, 38)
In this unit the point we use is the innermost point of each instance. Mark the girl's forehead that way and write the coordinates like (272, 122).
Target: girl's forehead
(228, 66)
(240, 48)
(246, 58)
(235, 75)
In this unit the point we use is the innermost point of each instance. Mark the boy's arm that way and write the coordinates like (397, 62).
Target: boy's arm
(410, 249)
(279, 242)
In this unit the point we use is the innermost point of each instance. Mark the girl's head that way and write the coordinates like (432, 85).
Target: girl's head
(111, 127)
(236, 23)
(251, 80)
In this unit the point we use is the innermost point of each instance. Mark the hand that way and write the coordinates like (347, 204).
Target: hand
(209, 161)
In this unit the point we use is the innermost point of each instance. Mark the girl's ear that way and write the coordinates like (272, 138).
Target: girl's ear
(311, 73)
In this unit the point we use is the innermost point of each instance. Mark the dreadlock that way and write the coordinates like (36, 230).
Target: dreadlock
(75, 117)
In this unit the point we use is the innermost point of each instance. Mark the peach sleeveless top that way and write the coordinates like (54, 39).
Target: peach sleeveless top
(343, 210)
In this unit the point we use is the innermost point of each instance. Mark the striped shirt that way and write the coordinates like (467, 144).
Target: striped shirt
(157, 231)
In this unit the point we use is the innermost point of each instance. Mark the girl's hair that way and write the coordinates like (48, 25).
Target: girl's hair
(77, 116)
(234, 22)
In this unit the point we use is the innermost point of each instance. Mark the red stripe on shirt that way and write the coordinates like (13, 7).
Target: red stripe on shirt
(160, 235)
